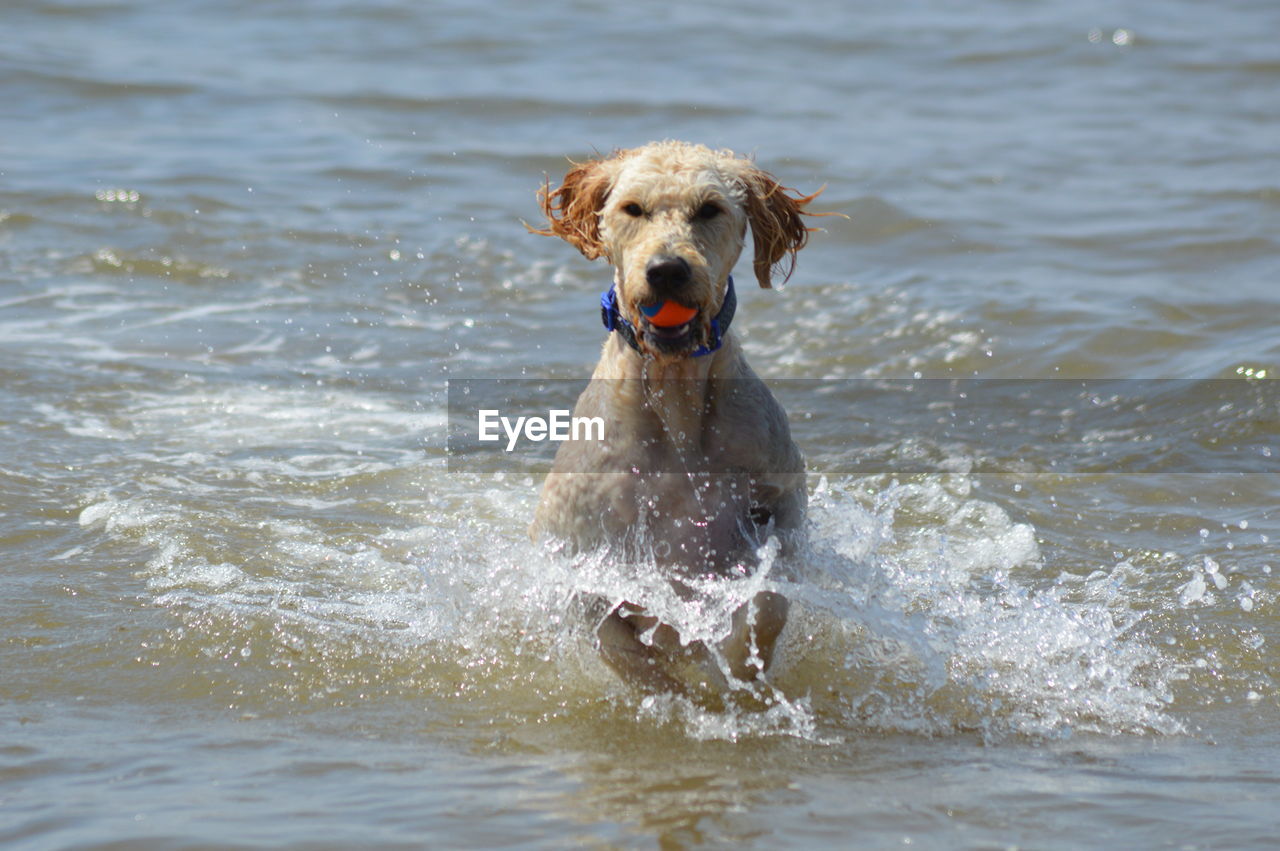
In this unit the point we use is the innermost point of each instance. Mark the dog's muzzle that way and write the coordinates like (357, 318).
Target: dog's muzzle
(668, 276)
(676, 339)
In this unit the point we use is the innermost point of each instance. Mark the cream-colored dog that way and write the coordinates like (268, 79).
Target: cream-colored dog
(697, 466)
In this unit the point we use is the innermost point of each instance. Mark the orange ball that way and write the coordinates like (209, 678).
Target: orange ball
(668, 314)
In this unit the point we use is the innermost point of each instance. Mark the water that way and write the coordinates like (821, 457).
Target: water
(247, 603)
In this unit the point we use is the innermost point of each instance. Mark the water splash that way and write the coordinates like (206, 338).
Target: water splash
(916, 608)
(950, 623)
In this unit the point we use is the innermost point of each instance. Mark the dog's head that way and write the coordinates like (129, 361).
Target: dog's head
(671, 218)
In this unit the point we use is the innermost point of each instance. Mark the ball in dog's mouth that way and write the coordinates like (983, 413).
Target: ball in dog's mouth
(668, 313)
(669, 326)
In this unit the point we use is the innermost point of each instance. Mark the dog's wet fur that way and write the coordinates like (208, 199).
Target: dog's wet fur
(697, 459)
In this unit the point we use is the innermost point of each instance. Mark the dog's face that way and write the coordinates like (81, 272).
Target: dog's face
(671, 218)
(672, 226)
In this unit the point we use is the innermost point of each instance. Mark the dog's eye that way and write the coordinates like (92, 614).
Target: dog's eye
(633, 209)
(707, 211)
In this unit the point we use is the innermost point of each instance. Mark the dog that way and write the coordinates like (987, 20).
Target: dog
(697, 467)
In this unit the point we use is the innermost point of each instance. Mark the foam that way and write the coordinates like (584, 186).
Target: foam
(898, 625)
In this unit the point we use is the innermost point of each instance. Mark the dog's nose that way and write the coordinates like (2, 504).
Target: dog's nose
(667, 274)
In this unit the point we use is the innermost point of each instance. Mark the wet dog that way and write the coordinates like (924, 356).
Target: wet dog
(697, 465)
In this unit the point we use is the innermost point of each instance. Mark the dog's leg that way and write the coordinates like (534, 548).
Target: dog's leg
(633, 660)
(756, 627)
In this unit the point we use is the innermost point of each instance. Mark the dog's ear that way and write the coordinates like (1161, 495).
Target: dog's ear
(776, 227)
(573, 210)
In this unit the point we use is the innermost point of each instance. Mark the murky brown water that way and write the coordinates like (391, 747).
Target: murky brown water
(243, 246)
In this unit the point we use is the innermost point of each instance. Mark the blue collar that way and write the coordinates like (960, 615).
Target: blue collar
(614, 320)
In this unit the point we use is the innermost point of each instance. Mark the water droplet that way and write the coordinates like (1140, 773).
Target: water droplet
(1192, 591)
